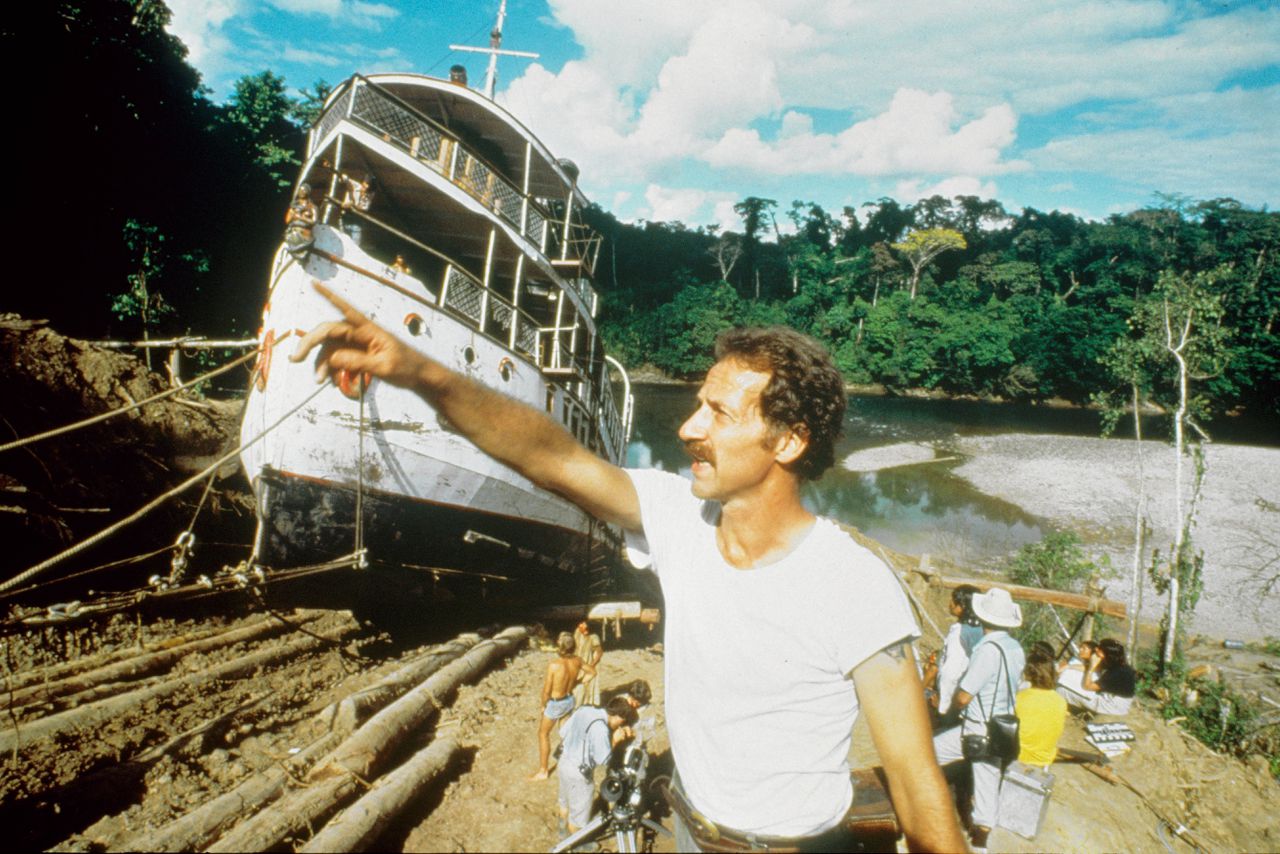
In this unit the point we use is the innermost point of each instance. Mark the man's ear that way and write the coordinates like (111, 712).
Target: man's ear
(791, 445)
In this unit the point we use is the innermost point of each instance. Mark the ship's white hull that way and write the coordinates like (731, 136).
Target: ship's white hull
(426, 496)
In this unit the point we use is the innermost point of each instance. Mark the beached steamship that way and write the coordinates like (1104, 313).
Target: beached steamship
(442, 217)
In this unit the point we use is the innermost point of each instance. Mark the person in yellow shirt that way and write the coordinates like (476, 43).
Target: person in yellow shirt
(1042, 713)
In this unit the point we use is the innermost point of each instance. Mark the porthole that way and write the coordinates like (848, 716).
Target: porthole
(469, 355)
(352, 385)
(505, 369)
(414, 323)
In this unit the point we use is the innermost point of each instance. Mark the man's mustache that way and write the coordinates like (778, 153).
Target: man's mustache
(699, 451)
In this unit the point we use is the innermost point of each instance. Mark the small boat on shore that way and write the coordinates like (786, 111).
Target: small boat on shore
(437, 213)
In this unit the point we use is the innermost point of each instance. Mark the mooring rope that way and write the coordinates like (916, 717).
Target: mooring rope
(911, 594)
(110, 565)
(153, 504)
(359, 545)
(58, 431)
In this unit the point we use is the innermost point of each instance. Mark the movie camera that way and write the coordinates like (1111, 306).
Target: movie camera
(623, 792)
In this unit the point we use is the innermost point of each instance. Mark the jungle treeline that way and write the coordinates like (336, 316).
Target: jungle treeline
(141, 203)
(965, 297)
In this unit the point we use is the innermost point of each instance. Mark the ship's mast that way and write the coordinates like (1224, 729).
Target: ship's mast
(494, 49)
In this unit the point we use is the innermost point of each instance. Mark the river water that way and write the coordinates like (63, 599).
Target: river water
(915, 509)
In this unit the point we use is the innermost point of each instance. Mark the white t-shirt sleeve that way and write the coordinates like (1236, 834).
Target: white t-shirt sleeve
(667, 504)
(879, 614)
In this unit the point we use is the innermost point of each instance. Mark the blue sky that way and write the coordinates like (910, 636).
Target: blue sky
(676, 109)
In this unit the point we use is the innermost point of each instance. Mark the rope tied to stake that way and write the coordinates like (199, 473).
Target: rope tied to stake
(153, 504)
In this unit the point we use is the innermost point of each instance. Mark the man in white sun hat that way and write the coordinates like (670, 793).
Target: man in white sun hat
(986, 689)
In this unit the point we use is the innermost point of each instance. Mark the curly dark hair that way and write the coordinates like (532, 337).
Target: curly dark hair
(805, 388)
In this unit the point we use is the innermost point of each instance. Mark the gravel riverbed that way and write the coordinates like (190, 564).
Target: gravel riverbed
(1091, 486)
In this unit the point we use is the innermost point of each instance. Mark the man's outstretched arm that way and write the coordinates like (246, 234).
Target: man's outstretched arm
(892, 698)
(509, 431)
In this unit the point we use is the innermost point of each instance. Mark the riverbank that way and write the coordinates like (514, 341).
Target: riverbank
(1091, 486)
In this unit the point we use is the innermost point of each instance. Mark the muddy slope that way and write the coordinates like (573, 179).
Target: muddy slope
(56, 492)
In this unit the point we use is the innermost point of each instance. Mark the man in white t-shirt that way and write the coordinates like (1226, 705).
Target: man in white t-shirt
(780, 628)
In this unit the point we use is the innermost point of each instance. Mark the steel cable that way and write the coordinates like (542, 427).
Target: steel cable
(58, 431)
(151, 505)
(112, 565)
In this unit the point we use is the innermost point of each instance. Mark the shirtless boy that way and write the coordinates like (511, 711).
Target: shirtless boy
(557, 698)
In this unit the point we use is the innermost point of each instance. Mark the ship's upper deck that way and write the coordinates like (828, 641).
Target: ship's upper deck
(482, 126)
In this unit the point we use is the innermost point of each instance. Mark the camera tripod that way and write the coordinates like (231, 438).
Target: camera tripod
(624, 832)
(624, 814)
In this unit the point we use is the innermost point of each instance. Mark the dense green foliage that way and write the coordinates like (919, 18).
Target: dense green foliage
(1026, 306)
(1057, 562)
(125, 143)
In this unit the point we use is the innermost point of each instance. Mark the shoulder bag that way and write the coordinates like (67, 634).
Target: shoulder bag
(1000, 742)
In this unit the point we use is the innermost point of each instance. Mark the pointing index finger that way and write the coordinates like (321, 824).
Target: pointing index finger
(349, 312)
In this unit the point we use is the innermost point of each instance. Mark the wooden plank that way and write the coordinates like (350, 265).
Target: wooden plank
(1061, 598)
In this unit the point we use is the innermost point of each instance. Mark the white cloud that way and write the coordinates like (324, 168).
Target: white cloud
(310, 57)
(630, 40)
(688, 205)
(1203, 144)
(1244, 165)
(725, 78)
(327, 8)
(373, 10)
(204, 26)
(1038, 56)
(962, 185)
(356, 13)
(916, 134)
(724, 216)
(578, 114)
(198, 24)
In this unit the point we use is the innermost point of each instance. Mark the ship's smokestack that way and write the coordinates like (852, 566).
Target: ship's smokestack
(458, 74)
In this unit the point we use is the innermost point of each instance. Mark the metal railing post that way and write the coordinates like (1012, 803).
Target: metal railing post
(444, 286)
(515, 302)
(484, 293)
(524, 189)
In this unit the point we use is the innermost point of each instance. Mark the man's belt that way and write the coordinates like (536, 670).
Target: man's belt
(869, 825)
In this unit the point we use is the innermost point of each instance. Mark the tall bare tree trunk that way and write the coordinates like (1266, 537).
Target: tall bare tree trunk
(1175, 583)
(1139, 511)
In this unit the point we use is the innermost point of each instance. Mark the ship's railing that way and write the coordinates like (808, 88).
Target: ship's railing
(336, 113)
(561, 354)
(428, 143)
(489, 313)
(584, 244)
(612, 422)
(582, 287)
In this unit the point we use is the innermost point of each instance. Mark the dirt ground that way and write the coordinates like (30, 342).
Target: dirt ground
(1229, 806)
(106, 785)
